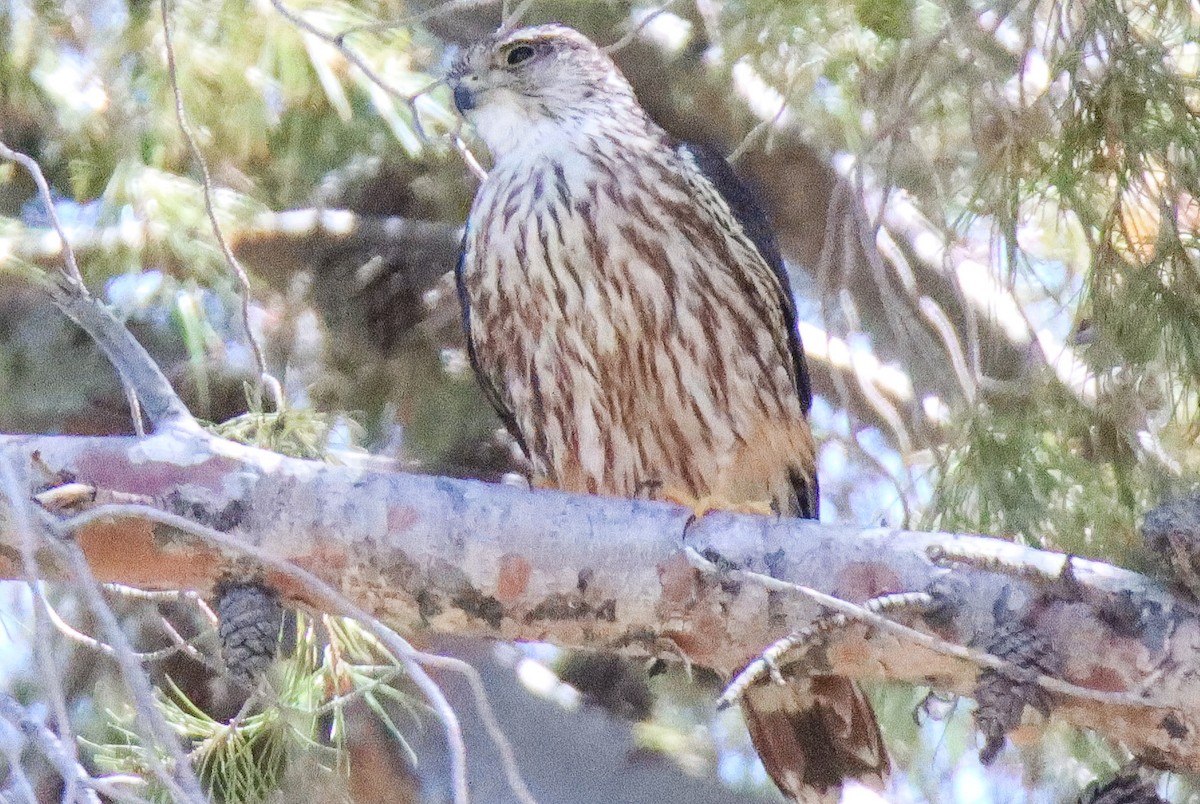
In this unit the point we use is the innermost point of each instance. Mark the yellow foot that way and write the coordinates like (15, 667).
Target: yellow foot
(714, 502)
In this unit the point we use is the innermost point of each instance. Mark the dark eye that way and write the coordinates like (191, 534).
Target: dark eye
(519, 54)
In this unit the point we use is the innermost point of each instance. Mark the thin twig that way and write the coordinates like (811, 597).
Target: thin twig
(351, 55)
(162, 406)
(35, 170)
(239, 273)
(184, 783)
(338, 41)
(167, 596)
(112, 786)
(188, 648)
(882, 407)
(389, 674)
(870, 393)
(764, 125)
(42, 615)
(135, 411)
(60, 753)
(509, 20)
(140, 376)
(937, 318)
(333, 602)
(859, 613)
(173, 595)
(860, 240)
(490, 724)
(468, 157)
(637, 29)
(153, 595)
(75, 635)
(768, 660)
(18, 789)
(414, 19)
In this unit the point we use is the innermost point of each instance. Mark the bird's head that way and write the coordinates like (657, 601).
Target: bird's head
(531, 84)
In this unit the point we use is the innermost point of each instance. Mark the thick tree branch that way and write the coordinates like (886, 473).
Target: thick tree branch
(472, 558)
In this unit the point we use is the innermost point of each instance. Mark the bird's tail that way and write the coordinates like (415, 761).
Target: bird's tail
(814, 733)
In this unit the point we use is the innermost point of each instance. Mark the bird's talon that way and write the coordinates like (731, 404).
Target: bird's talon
(702, 506)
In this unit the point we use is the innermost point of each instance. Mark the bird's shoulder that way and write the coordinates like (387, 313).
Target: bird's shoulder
(716, 171)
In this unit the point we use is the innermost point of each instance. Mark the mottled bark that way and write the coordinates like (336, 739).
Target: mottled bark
(478, 559)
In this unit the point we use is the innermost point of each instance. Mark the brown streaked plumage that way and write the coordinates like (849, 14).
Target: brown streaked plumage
(628, 314)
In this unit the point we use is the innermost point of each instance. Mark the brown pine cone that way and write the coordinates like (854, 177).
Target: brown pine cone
(1127, 787)
(250, 617)
(1172, 533)
(1001, 695)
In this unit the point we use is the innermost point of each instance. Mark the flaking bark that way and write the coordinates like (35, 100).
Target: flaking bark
(473, 558)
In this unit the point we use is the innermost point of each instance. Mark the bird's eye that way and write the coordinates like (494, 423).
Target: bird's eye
(519, 54)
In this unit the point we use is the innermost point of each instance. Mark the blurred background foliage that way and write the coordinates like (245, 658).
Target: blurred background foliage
(990, 211)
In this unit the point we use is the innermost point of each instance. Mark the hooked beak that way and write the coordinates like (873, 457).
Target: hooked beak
(464, 97)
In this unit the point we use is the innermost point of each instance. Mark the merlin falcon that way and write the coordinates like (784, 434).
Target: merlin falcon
(628, 315)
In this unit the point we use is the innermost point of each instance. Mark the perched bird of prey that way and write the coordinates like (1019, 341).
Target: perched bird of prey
(628, 315)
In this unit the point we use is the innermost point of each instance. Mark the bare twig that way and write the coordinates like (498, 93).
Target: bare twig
(18, 788)
(766, 124)
(42, 614)
(181, 644)
(860, 613)
(332, 601)
(882, 406)
(388, 674)
(937, 318)
(135, 411)
(60, 753)
(171, 596)
(437, 10)
(508, 759)
(35, 170)
(638, 28)
(826, 264)
(178, 643)
(468, 157)
(510, 19)
(183, 782)
(162, 406)
(139, 374)
(239, 273)
(409, 99)
(768, 661)
(338, 41)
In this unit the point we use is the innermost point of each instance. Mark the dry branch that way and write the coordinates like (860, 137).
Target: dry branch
(158, 400)
(472, 558)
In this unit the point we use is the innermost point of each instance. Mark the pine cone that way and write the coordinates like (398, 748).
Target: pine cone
(1001, 696)
(1172, 533)
(1127, 787)
(250, 617)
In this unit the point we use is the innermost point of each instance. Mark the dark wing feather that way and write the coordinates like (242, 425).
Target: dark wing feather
(488, 383)
(754, 223)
